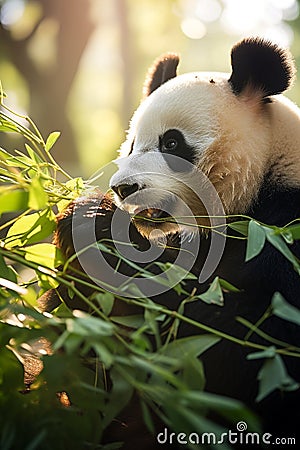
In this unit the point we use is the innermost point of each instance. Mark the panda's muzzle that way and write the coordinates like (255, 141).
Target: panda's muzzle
(142, 208)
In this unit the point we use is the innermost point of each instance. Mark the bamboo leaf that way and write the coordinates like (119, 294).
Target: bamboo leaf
(37, 196)
(51, 139)
(214, 293)
(190, 347)
(287, 235)
(294, 230)
(256, 240)
(240, 226)
(147, 417)
(281, 308)
(44, 254)
(13, 200)
(227, 287)
(106, 301)
(273, 375)
(7, 126)
(6, 271)
(277, 241)
(30, 229)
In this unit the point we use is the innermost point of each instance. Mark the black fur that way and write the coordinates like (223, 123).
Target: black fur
(262, 66)
(163, 69)
(227, 370)
(180, 148)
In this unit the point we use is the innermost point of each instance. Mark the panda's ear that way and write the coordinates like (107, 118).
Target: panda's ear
(261, 66)
(163, 69)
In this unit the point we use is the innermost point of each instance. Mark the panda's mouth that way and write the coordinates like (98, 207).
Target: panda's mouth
(156, 213)
(152, 213)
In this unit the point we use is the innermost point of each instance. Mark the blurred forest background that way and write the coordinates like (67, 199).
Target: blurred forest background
(78, 67)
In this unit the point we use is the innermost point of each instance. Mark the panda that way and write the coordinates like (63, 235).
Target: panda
(236, 137)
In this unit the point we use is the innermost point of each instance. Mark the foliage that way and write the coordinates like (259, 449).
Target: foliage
(99, 362)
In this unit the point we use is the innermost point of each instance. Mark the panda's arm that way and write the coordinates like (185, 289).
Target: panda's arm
(94, 212)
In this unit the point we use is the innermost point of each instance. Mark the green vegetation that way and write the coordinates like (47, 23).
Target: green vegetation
(98, 362)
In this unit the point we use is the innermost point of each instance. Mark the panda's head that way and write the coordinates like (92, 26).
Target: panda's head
(224, 127)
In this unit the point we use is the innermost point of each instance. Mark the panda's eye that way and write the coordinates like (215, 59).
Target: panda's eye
(170, 140)
(170, 144)
(173, 143)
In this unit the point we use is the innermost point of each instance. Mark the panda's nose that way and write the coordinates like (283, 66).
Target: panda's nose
(124, 190)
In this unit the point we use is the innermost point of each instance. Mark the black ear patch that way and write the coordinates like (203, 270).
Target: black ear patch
(163, 69)
(262, 65)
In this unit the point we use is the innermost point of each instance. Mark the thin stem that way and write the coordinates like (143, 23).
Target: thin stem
(10, 222)
(265, 335)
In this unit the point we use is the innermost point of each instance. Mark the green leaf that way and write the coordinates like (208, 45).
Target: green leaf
(228, 287)
(105, 356)
(174, 272)
(287, 235)
(6, 271)
(131, 321)
(281, 308)
(156, 371)
(47, 282)
(37, 196)
(33, 155)
(147, 417)
(7, 126)
(106, 301)
(51, 139)
(13, 200)
(256, 240)
(190, 423)
(75, 186)
(240, 226)
(88, 326)
(44, 254)
(132, 290)
(189, 347)
(22, 161)
(30, 229)
(214, 294)
(277, 241)
(294, 230)
(71, 293)
(151, 318)
(193, 374)
(120, 395)
(4, 155)
(273, 375)
(270, 352)
(230, 408)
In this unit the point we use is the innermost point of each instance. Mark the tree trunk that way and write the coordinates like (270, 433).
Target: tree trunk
(49, 91)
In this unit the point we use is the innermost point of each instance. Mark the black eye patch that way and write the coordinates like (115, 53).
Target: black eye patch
(173, 143)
